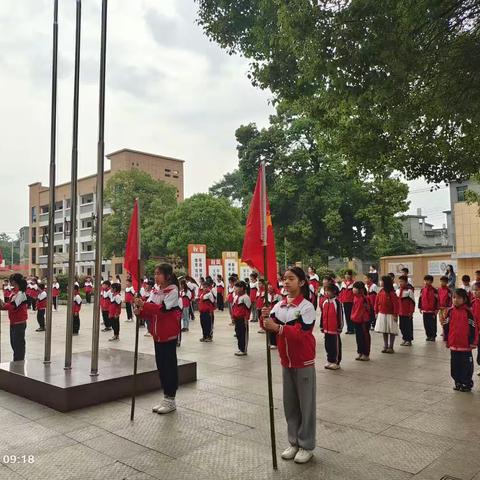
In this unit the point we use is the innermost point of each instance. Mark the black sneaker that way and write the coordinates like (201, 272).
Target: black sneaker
(40, 330)
(457, 387)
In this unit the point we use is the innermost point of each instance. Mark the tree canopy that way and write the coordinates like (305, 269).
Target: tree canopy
(203, 219)
(386, 85)
(155, 199)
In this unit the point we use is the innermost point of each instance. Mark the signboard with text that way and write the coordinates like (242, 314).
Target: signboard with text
(215, 267)
(197, 261)
(438, 267)
(230, 264)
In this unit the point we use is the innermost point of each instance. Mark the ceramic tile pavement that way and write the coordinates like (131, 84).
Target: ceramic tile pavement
(395, 417)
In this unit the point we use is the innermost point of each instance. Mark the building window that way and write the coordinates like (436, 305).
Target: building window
(58, 249)
(175, 174)
(58, 227)
(44, 209)
(34, 214)
(405, 234)
(85, 199)
(118, 269)
(89, 271)
(34, 235)
(87, 223)
(168, 172)
(67, 203)
(59, 205)
(34, 255)
(461, 193)
(87, 247)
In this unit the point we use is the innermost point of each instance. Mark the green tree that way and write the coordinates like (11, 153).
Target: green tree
(6, 249)
(203, 219)
(389, 84)
(155, 199)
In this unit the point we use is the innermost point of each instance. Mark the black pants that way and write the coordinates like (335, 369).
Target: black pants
(192, 314)
(347, 308)
(206, 322)
(166, 358)
(34, 303)
(17, 340)
(461, 368)
(241, 331)
(430, 324)
(54, 300)
(273, 338)
(115, 324)
(220, 301)
(406, 327)
(88, 297)
(362, 334)
(41, 318)
(29, 301)
(128, 308)
(373, 318)
(76, 323)
(106, 320)
(333, 347)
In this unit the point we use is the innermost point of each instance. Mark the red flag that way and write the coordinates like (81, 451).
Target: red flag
(259, 232)
(132, 249)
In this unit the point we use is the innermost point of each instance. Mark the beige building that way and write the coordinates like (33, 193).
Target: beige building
(170, 170)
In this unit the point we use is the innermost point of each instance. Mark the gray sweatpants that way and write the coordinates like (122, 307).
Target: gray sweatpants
(299, 404)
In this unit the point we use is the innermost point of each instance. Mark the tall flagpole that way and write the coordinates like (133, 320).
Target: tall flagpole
(100, 178)
(137, 322)
(263, 197)
(73, 193)
(51, 207)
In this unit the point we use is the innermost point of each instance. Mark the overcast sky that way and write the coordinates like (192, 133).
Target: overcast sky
(169, 91)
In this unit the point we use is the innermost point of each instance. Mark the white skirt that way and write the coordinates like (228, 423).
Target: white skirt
(386, 324)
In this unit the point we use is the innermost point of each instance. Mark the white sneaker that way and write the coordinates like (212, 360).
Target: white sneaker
(240, 354)
(303, 456)
(328, 365)
(168, 405)
(334, 366)
(290, 452)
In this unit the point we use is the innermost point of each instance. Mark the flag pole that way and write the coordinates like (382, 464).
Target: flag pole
(137, 323)
(267, 337)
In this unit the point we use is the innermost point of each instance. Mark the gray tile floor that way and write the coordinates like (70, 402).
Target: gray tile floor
(396, 417)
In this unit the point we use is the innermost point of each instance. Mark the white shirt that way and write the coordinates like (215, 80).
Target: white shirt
(42, 295)
(286, 312)
(245, 299)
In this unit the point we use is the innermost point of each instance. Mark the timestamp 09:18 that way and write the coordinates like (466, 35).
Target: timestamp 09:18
(18, 459)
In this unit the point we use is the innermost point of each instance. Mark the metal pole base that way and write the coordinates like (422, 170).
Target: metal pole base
(94, 374)
(67, 368)
(47, 362)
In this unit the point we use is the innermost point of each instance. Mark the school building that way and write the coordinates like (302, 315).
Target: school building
(160, 167)
(464, 229)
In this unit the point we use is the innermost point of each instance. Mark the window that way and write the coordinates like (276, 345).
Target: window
(34, 235)
(87, 246)
(58, 227)
(118, 269)
(103, 268)
(461, 193)
(58, 249)
(34, 214)
(87, 198)
(59, 205)
(168, 172)
(87, 223)
(67, 203)
(34, 255)
(175, 174)
(89, 271)
(44, 209)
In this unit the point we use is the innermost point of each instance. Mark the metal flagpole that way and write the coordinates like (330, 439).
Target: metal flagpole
(100, 177)
(51, 208)
(267, 336)
(73, 193)
(137, 325)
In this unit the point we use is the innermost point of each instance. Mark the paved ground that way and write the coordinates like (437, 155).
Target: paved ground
(396, 417)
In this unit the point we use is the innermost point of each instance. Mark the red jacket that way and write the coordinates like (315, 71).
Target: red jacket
(295, 341)
(444, 297)
(206, 301)
(186, 298)
(406, 301)
(230, 293)
(115, 307)
(346, 292)
(55, 290)
(42, 300)
(386, 303)
(105, 299)
(428, 301)
(253, 291)
(17, 307)
(163, 317)
(332, 316)
(360, 309)
(129, 294)
(241, 307)
(460, 329)
(260, 300)
(77, 304)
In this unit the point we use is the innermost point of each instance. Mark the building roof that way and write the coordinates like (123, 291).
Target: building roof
(143, 153)
(67, 183)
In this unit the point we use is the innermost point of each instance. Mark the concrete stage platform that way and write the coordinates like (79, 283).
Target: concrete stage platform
(66, 390)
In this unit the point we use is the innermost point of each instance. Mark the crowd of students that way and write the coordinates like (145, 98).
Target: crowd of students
(287, 313)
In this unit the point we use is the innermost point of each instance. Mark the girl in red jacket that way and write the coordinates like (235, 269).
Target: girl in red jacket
(163, 314)
(332, 317)
(428, 306)
(241, 313)
(260, 302)
(55, 293)
(346, 297)
(76, 306)
(206, 306)
(292, 320)
(386, 309)
(41, 307)
(361, 321)
(114, 311)
(444, 300)
(461, 337)
(18, 315)
(406, 307)
(476, 313)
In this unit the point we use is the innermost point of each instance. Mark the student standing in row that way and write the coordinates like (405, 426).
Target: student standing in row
(206, 306)
(386, 308)
(41, 307)
(428, 306)
(461, 337)
(164, 325)
(129, 297)
(220, 293)
(293, 320)
(346, 297)
(253, 294)
(314, 282)
(34, 293)
(186, 296)
(445, 296)
(371, 280)
(406, 307)
(114, 311)
(76, 307)
(241, 314)
(331, 325)
(476, 314)
(55, 293)
(105, 296)
(230, 293)
(18, 315)
(88, 289)
(361, 320)
(260, 303)
(7, 291)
